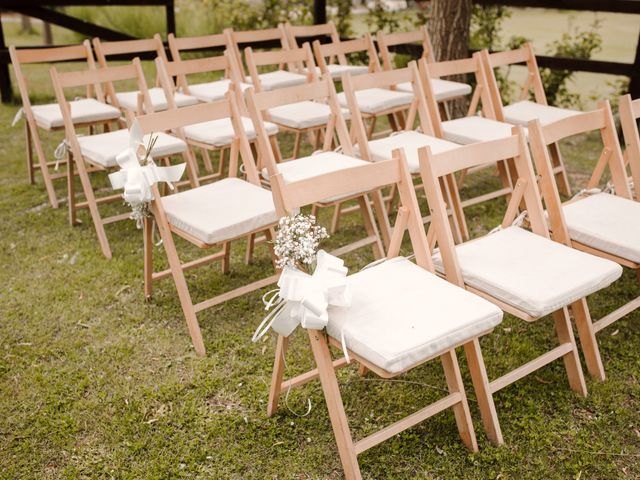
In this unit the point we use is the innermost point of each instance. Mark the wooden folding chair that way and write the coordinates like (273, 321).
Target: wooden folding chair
(382, 148)
(296, 32)
(214, 214)
(208, 91)
(215, 136)
(629, 111)
(338, 50)
(444, 90)
(594, 221)
(401, 315)
(306, 117)
(285, 76)
(91, 153)
(322, 161)
(479, 125)
(522, 271)
(85, 112)
(128, 100)
(525, 110)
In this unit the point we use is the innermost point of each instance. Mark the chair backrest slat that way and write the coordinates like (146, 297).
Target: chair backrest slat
(386, 40)
(48, 55)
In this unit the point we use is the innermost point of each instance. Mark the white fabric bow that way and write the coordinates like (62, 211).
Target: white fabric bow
(304, 299)
(137, 179)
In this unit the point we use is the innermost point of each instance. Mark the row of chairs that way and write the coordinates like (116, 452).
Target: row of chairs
(403, 314)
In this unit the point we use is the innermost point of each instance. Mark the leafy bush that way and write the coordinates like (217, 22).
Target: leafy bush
(573, 44)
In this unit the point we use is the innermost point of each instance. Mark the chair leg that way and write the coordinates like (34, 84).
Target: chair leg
(251, 245)
(226, 258)
(460, 410)
(71, 191)
(206, 159)
(571, 359)
(588, 341)
(29, 146)
(93, 207)
(148, 256)
(335, 219)
(181, 287)
(444, 111)
(382, 216)
(296, 144)
(483, 391)
(277, 375)
(458, 222)
(335, 406)
(561, 175)
(370, 226)
(372, 127)
(42, 160)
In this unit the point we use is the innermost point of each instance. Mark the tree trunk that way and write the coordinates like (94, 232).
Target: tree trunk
(449, 30)
(26, 26)
(47, 34)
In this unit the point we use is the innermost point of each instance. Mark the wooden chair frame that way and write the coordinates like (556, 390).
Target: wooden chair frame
(418, 111)
(629, 111)
(339, 50)
(175, 120)
(371, 177)
(323, 90)
(526, 55)
(84, 166)
(182, 68)
(434, 167)
(103, 50)
(540, 138)
(324, 29)
(235, 39)
(480, 97)
(31, 128)
(303, 59)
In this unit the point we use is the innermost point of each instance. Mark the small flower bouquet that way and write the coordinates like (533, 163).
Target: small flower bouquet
(297, 241)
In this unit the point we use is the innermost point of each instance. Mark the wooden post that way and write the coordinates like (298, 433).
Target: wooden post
(319, 11)
(634, 85)
(171, 18)
(5, 79)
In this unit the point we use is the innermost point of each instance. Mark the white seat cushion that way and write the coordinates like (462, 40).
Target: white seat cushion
(521, 113)
(85, 110)
(279, 79)
(530, 272)
(104, 147)
(213, 91)
(442, 89)
(606, 222)
(314, 165)
(219, 133)
(475, 129)
(221, 211)
(305, 114)
(129, 100)
(375, 100)
(382, 149)
(336, 70)
(401, 315)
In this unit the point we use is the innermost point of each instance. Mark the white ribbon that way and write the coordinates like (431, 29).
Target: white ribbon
(17, 117)
(136, 179)
(60, 153)
(304, 299)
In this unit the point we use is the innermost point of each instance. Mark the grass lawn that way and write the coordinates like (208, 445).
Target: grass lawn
(97, 383)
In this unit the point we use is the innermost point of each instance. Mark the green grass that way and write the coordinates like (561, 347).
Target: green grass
(97, 383)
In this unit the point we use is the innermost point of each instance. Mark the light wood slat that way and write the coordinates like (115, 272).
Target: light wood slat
(529, 367)
(238, 292)
(192, 264)
(617, 314)
(407, 422)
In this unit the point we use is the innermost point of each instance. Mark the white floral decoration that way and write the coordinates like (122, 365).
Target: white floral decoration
(297, 241)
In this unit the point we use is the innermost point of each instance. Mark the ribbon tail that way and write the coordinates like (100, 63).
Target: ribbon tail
(118, 179)
(17, 117)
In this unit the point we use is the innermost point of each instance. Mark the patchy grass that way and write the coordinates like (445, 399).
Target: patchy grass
(97, 383)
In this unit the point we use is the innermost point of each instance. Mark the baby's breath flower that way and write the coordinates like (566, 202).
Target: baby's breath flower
(297, 240)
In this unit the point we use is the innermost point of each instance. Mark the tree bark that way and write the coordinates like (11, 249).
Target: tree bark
(449, 30)
(26, 26)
